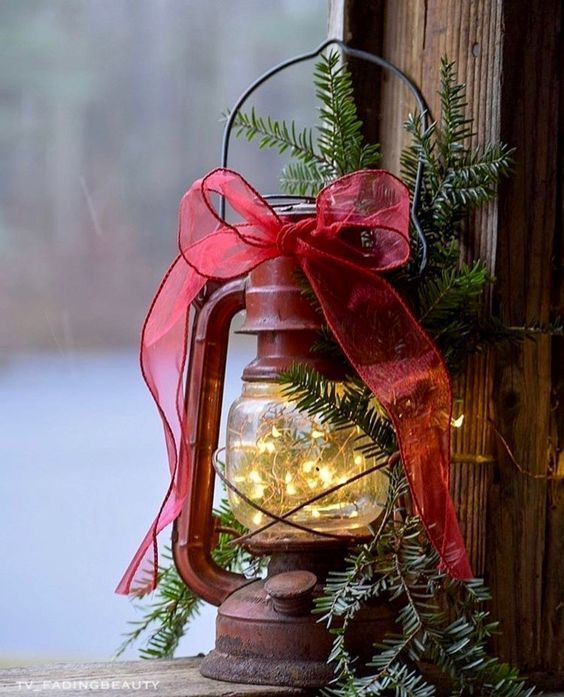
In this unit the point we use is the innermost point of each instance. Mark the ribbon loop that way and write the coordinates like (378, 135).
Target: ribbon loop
(360, 230)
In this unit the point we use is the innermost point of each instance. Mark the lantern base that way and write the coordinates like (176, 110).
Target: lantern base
(265, 671)
(267, 635)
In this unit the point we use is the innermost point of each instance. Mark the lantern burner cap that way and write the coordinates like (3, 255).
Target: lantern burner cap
(301, 208)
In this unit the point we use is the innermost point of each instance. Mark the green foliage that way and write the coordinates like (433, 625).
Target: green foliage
(340, 130)
(399, 566)
(166, 619)
(339, 147)
(449, 306)
(342, 406)
(457, 177)
(173, 607)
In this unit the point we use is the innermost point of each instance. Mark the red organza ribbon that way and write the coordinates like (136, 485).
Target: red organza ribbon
(361, 229)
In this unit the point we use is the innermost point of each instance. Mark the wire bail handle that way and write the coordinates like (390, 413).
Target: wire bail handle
(354, 53)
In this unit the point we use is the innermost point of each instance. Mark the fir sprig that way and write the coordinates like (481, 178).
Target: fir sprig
(339, 147)
(341, 406)
(457, 177)
(398, 565)
(280, 136)
(167, 618)
(340, 130)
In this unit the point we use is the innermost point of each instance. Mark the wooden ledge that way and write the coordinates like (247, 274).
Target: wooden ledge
(178, 677)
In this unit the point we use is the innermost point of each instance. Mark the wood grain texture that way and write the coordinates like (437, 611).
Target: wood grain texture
(509, 54)
(521, 547)
(363, 28)
(179, 677)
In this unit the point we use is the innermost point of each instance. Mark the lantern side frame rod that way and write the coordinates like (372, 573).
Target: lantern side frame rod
(353, 53)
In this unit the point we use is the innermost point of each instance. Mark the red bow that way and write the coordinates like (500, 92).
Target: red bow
(375, 329)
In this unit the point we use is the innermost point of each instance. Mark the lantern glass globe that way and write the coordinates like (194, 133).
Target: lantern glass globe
(279, 458)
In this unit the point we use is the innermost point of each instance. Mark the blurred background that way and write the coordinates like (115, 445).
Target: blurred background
(109, 109)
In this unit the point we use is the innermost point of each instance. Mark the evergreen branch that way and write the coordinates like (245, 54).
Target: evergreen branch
(455, 126)
(456, 177)
(354, 406)
(167, 618)
(534, 329)
(340, 130)
(280, 136)
(302, 179)
(442, 297)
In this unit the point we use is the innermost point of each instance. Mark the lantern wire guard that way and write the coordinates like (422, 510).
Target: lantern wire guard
(284, 518)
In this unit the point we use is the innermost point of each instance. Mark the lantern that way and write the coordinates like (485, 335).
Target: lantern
(299, 485)
(277, 465)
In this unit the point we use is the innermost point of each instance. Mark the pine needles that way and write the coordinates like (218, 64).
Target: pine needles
(458, 177)
(168, 616)
(339, 147)
(341, 406)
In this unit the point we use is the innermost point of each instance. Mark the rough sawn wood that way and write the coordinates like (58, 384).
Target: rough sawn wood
(178, 677)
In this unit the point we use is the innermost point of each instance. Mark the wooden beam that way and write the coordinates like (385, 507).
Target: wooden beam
(509, 54)
(520, 548)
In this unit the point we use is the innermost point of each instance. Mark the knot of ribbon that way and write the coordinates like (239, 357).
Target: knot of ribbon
(360, 230)
(289, 233)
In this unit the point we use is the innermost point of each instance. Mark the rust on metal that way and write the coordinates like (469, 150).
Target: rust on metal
(194, 531)
(291, 592)
(257, 643)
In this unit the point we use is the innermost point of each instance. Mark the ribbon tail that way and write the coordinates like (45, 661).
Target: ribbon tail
(404, 370)
(163, 357)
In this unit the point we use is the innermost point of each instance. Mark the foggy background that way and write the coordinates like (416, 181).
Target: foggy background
(109, 109)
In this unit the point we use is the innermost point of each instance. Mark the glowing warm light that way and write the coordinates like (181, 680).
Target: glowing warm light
(280, 457)
(266, 446)
(258, 491)
(457, 423)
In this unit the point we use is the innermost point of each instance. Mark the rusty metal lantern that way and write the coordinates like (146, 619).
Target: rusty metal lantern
(305, 512)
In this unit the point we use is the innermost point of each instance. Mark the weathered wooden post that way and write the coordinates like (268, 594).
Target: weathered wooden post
(508, 53)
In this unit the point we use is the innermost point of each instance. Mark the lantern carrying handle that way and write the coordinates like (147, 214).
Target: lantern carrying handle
(353, 53)
(196, 529)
